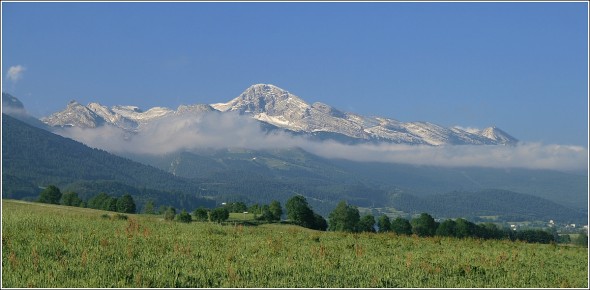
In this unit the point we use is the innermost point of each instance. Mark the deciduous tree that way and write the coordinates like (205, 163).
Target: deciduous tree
(384, 224)
(219, 214)
(344, 218)
(464, 228)
(276, 210)
(70, 199)
(149, 207)
(446, 228)
(299, 213)
(184, 217)
(170, 213)
(424, 225)
(401, 226)
(367, 224)
(201, 214)
(51, 194)
(126, 204)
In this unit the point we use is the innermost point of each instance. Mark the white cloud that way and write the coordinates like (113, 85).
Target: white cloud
(217, 130)
(15, 73)
(523, 155)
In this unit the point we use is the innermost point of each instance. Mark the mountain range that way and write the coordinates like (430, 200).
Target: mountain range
(35, 157)
(279, 109)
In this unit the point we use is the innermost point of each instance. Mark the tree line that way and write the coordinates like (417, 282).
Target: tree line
(53, 195)
(267, 212)
(344, 218)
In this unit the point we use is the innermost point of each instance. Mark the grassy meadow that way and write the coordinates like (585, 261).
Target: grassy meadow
(58, 246)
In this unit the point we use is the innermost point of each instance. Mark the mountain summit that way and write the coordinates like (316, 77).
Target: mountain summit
(498, 135)
(270, 104)
(280, 108)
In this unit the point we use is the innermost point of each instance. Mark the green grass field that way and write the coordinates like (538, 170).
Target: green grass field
(58, 246)
(233, 216)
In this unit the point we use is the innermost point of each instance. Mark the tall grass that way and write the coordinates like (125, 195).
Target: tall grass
(56, 246)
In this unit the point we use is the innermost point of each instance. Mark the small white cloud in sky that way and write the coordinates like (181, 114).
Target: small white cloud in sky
(15, 73)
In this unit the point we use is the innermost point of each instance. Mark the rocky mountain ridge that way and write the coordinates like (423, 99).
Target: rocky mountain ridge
(275, 106)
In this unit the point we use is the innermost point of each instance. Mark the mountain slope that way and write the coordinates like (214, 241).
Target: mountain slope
(32, 157)
(15, 108)
(562, 188)
(256, 175)
(502, 204)
(259, 176)
(510, 205)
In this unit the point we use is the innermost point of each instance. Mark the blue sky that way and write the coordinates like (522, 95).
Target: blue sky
(520, 66)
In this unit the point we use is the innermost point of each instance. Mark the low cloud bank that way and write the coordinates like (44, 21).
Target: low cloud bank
(217, 130)
(523, 155)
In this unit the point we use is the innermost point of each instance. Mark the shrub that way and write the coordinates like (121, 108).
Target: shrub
(424, 225)
(184, 217)
(126, 204)
(119, 217)
(219, 214)
(51, 194)
(344, 218)
(170, 213)
(70, 199)
(201, 214)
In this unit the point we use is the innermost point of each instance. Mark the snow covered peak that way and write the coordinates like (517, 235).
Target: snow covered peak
(76, 115)
(95, 114)
(264, 98)
(73, 103)
(265, 89)
(256, 97)
(498, 135)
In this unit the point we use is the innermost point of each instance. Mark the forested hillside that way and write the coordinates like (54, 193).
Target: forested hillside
(34, 158)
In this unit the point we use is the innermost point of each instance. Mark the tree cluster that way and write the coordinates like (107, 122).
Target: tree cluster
(267, 212)
(124, 204)
(236, 207)
(51, 194)
(346, 218)
(200, 214)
